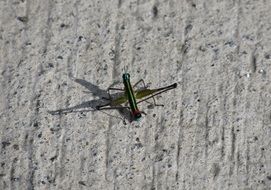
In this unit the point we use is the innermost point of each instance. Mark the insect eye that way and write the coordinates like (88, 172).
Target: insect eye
(126, 76)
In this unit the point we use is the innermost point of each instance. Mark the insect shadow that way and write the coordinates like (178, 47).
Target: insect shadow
(90, 106)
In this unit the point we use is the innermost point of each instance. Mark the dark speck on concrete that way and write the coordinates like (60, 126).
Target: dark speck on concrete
(36, 124)
(138, 145)
(230, 43)
(15, 179)
(51, 65)
(81, 183)
(5, 144)
(154, 11)
(53, 158)
(23, 19)
(63, 25)
(16, 147)
(80, 38)
(188, 28)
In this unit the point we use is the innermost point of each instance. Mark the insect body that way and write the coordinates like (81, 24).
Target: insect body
(131, 96)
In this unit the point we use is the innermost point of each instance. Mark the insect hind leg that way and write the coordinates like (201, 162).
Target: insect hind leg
(155, 104)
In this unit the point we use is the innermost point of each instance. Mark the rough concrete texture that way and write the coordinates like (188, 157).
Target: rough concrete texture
(59, 57)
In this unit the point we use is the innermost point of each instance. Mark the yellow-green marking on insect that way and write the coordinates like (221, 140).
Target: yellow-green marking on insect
(131, 97)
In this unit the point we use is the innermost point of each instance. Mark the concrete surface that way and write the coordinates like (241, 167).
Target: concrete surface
(57, 59)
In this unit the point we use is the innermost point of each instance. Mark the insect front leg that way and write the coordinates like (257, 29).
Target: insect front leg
(140, 81)
(162, 105)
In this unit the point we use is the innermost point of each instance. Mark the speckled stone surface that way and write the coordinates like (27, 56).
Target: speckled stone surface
(57, 59)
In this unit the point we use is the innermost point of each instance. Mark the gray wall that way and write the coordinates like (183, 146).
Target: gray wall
(57, 58)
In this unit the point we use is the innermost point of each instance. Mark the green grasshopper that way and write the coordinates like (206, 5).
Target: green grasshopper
(131, 96)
